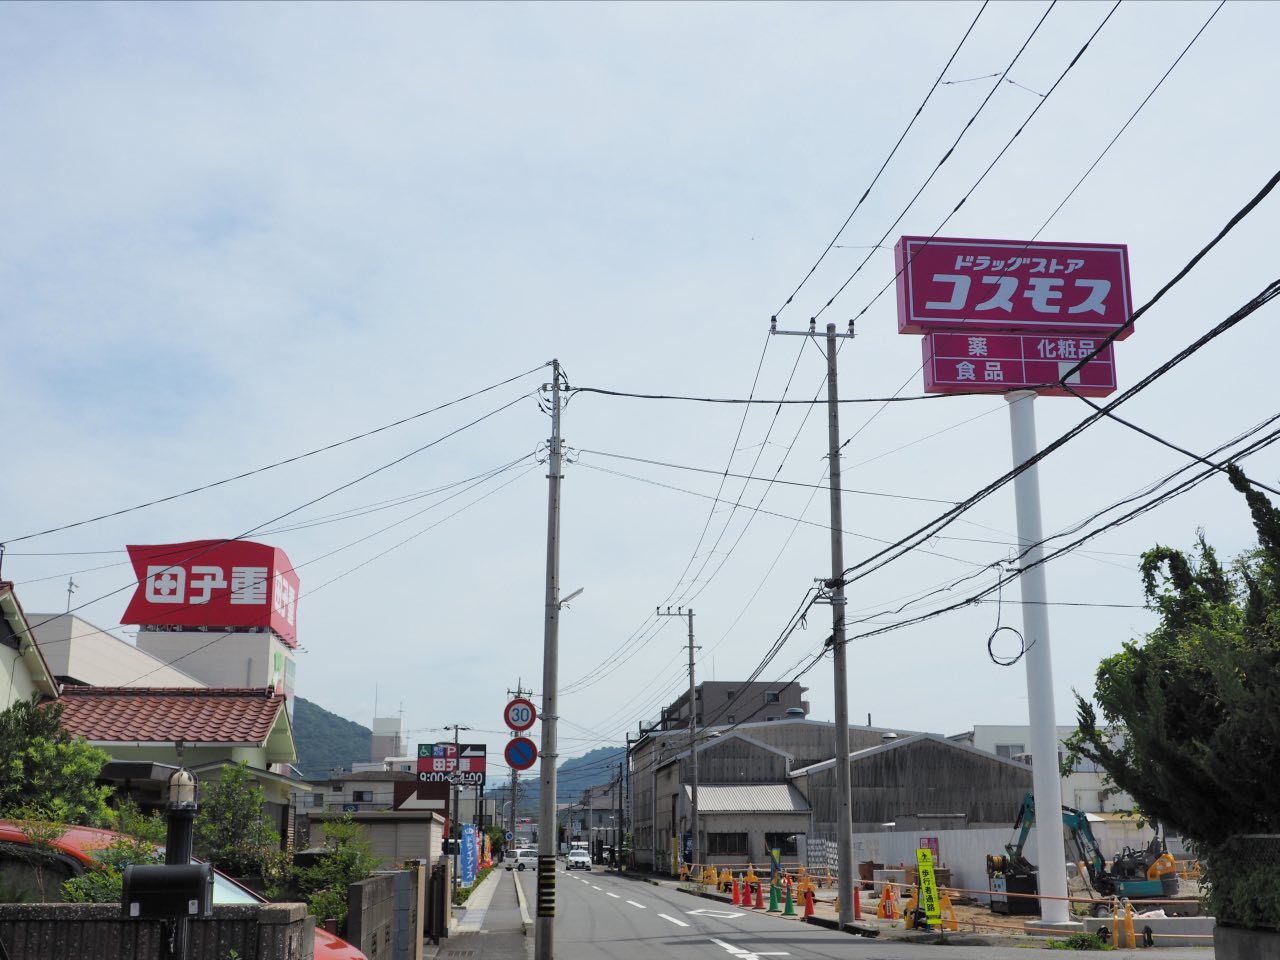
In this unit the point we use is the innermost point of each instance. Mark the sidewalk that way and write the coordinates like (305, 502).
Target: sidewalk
(492, 926)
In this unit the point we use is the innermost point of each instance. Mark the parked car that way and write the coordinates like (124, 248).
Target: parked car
(524, 857)
(578, 860)
(73, 853)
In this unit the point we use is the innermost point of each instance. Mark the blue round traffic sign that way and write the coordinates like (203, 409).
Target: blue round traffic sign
(510, 836)
(521, 753)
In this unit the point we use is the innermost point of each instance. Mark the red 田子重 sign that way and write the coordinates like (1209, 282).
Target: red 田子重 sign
(214, 583)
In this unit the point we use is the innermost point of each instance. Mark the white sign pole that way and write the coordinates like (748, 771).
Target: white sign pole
(1050, 847)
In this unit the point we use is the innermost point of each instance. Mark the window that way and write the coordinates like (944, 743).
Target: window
(726, 844)
(316, 799)
(785, 843)
(770, 718)
(362, 796)
(730, 694)
(772, 696)
(1009, 750)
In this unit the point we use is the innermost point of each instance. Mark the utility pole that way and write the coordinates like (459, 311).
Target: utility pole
(617, 819)
(543, 930)
(834, 594)
(693, 735)
(72, 586)
(455, 829)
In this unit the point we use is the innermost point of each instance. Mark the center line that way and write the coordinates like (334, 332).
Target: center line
(615, 896)
(640, 905)
(678, 923)
(594, 887)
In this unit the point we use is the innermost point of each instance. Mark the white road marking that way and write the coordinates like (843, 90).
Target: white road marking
(743, 954)
(640, 905)
(594, 887)
(615, 896)
(678, 923)
(718, 914)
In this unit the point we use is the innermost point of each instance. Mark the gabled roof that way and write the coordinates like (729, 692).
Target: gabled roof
(907, 742)
(196, 716)
(716, 740)
(16, 624)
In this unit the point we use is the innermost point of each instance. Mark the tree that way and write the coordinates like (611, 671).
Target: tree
(1192, 712)
(347, 858)
(231, 830)
(46, 773)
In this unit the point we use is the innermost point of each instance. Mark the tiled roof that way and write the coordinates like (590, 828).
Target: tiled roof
(167, 714)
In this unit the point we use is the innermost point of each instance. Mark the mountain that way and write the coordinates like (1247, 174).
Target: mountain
(572, 777)
(326, 741)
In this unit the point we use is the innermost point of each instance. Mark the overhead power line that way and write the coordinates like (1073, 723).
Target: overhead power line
(945, 157)
(866, 193)
(272, 466)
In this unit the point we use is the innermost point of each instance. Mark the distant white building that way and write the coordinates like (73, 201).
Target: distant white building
(1085, 788)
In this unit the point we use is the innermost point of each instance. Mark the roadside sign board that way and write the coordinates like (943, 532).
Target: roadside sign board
(1012, 285)
(521, 754)
(980, 360)
(520, 714)
(930, 844)
(928, 887)
(456, 763)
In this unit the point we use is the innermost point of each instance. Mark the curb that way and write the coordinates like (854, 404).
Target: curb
(525, 920)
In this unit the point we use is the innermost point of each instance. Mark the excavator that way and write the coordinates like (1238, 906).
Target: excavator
(1135, 874)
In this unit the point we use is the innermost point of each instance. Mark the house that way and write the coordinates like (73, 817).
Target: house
(27, 673)
(150, 730)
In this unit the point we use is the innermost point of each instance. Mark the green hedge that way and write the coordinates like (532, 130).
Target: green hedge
(460, 894)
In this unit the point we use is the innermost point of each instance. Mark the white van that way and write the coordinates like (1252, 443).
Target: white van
(524, 857)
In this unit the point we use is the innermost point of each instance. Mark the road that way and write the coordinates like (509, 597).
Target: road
(602, 916)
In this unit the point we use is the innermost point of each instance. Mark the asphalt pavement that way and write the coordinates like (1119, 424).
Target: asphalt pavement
(607, 916)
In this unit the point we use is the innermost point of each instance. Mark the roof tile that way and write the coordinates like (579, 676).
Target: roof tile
(167, 714)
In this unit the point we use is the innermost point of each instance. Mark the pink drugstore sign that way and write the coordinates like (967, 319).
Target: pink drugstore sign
(1010, 285)
(981, 361)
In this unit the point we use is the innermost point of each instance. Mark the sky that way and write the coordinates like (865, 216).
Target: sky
(235, 233)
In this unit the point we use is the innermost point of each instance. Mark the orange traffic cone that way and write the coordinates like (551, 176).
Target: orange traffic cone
(808, 904)
(737, 900)
(760, 895)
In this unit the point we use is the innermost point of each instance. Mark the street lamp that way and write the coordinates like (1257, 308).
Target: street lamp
(181, 810)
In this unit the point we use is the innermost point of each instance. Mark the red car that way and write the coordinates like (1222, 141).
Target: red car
(75, 853)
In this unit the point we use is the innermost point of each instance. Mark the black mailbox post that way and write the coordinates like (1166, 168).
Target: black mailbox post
(164, 892)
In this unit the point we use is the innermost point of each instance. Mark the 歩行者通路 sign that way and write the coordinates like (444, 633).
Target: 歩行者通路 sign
(214, 583)
(1012, 285)
(457, 763)
(979, 361)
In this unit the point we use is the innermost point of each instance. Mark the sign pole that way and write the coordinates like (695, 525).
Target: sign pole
(1035, 626)
(543, 944)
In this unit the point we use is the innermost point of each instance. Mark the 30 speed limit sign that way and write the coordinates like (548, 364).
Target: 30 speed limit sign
(520, 714)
